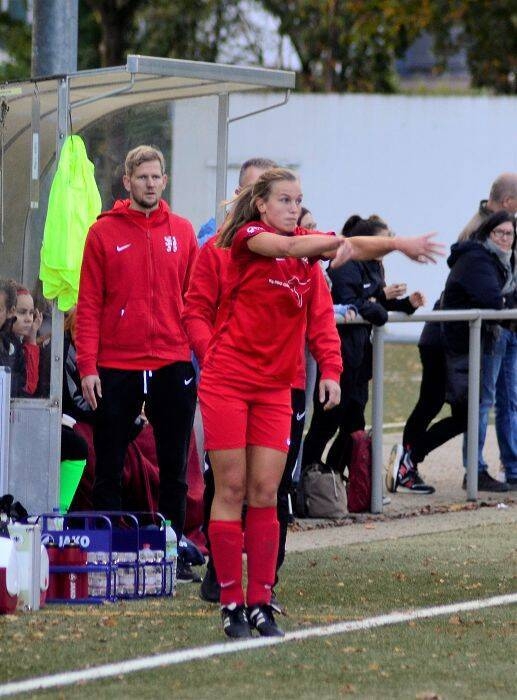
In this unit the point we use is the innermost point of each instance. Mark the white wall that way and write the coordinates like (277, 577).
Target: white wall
(421, 163)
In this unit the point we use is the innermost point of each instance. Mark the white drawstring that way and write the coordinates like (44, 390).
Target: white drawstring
(146, 374)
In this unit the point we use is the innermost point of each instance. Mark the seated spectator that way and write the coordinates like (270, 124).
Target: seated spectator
(25, 327)
(17, 353)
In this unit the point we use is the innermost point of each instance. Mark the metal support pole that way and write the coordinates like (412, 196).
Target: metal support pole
(54, 37)
(377, 417)
(57, 343)
(222, 156)
(473, 409)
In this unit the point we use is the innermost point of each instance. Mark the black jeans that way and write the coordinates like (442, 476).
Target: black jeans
(417, 435)
(345, 418)
(284, 488)
(169, 405)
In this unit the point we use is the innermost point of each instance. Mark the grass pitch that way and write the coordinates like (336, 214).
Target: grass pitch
(468, 655)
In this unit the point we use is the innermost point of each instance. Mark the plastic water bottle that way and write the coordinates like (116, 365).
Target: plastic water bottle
(55, 522)
(126, 573)
(171, 556)
(148, 584)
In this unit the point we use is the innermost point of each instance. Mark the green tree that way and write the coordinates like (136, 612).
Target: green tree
(349, 44)
(15, 40)
(117, 22)
(487, 30)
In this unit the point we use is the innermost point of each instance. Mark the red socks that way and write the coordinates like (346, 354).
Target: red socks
(261, 543)
(226, 548)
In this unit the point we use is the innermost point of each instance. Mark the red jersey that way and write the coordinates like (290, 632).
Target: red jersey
(263, 314)
(134, 276)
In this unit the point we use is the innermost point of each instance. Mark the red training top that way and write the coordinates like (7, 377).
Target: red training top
(134, 276)
(261, 323)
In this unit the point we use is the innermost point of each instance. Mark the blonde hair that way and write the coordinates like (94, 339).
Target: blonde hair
(143, 154)
(244, 206)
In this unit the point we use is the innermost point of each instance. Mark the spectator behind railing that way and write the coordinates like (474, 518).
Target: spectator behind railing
(500, 367)
(480, 278)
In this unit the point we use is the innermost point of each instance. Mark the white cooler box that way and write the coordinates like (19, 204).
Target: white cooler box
(33, 567)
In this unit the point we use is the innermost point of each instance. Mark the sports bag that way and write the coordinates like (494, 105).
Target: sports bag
(324, 492)
(359, 482)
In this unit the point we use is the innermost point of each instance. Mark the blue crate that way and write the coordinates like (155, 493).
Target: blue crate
(126, 555)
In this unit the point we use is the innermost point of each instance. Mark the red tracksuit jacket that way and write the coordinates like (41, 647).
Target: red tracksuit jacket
(134, 276)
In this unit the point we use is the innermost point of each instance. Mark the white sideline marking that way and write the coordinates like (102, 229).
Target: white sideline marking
(230, 647)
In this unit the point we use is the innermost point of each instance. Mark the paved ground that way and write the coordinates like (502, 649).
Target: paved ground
(406, 514)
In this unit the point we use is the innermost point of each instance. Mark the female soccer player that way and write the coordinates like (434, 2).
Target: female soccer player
(247, 375)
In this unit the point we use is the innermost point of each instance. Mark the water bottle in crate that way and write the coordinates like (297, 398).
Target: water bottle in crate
(126, 574)
(150, 571)
(101, 579)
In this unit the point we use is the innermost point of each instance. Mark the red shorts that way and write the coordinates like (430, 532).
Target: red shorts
(235, 416)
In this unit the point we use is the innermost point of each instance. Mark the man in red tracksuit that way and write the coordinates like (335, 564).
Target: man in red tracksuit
(207, 283)
(130, 341)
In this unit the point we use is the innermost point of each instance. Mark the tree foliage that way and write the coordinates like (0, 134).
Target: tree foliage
(342, 45)
(487, 29)
(349, 44)
(15, 39)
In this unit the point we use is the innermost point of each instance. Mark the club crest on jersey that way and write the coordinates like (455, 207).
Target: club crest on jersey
(295, 285)
(171, 244)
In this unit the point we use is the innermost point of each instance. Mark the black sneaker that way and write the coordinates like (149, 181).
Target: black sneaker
(184, 573)
(262, 619)
(408, 478)
(210, 590)
(487, 483)
(235, 621)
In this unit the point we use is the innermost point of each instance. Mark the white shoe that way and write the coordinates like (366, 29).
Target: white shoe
(392, 470)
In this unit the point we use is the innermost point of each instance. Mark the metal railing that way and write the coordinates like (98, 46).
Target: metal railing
(474, 318)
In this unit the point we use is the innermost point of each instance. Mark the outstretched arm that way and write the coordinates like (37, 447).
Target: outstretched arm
(273, 245)
(422, 249)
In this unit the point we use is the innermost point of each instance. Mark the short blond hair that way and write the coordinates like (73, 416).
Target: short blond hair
(143, 154)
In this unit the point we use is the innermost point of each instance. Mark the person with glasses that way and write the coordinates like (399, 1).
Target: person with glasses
(502, 197)
(481, 277)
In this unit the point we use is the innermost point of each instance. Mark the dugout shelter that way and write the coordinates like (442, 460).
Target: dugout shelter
(35, 118)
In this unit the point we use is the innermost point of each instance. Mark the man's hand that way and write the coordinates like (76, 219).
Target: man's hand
(330, 388)
(91, 386)
(421, 248)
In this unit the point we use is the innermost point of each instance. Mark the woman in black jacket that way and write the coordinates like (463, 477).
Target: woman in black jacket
(361, 286)
(480, 278)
